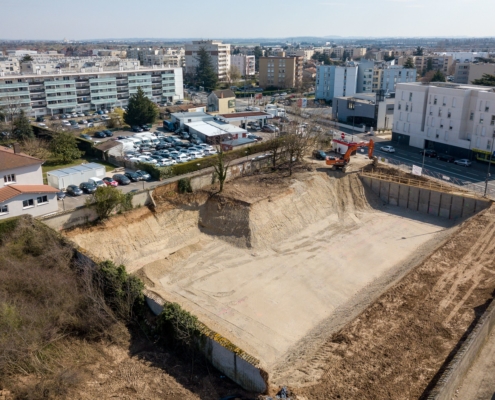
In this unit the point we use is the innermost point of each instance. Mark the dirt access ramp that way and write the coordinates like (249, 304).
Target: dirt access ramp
(396, 348)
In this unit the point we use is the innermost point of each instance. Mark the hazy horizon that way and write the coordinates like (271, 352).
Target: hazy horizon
(219, 19)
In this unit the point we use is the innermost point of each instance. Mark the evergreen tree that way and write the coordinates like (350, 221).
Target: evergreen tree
(257, 54)
(419, 51)
(205, 72)
(485, 80)
(64, 147)
(22, 128)
(409, 63)
(140, 110)
(438, 77)
(429, 65)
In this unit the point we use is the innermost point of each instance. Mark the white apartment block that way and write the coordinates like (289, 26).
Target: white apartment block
(10, 65)
(333, 81)
(88, 89)
(219, 52)
(448, 117)
(245, 64)
(57, 65)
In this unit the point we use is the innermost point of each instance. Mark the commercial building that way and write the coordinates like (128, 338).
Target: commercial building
(91, 88)
(216, 131)
(450, 118)
(21, 186)
(468, 72)
(245, 64)
(372, 110)
(219, 52)
(280, 72)
(335, 81)
(221, 101)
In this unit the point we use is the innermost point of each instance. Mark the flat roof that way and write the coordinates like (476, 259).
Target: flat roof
(214, 128)
(75, 169)
(195, 114)
(226, 127)
(245, 115)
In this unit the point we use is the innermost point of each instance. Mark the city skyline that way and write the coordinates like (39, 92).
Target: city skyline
(56, 20)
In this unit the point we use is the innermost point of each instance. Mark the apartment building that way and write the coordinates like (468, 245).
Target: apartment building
(219, 52)
(306, 54)
(450, 118)
(468, 72)
(338, 52)
(48, 64)
(245, 64)
(10, 65)
(438, 62)
(169, 57)
(335, 81)
(88, 89)
(280, 72)
(386, 77)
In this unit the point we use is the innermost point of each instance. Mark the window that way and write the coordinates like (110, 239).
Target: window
(28, 203)
(487, 107)
(399, 107)
(449, 114)
(439, 112)
(9, 179)
(488, 144)
(444, 100)
(410, 96)
(492, 122)
(407, 107)
(435, 100)
(481, 119)
(453, 102)
(42, 200)
(4, 209)
(471, 116)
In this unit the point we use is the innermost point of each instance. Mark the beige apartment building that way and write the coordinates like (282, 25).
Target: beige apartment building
(467, 72)
(219, 52)
(281, 72)
(438, 62)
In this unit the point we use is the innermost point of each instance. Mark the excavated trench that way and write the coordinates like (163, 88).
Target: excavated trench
(276, 268)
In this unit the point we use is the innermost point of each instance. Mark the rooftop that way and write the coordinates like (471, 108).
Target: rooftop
(11, 160)
(11, 191)
(185, 114)
(75, 170)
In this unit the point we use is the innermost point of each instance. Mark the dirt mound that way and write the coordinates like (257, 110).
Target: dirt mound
(395, 348)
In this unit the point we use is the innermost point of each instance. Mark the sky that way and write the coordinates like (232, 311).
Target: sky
(217, 19)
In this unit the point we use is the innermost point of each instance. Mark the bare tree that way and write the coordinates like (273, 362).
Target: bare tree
(38, 148)
(233, 75)
(10, 111)
(221, 168)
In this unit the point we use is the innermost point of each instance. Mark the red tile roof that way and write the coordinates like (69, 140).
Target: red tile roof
(11, 160)
(10, 191)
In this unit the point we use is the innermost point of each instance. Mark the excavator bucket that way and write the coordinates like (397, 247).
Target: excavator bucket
(371, 147)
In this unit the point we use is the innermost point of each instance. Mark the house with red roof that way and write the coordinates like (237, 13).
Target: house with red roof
(21, 186)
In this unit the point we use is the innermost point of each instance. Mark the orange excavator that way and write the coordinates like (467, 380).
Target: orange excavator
(342, 162)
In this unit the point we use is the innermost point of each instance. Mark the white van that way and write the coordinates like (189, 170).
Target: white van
(136, 141)
(97, 182)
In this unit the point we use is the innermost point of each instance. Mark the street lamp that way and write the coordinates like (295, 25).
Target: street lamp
(489, 164)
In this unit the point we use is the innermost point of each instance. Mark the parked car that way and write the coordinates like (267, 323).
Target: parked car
(100, 134)
(97, 182)
(319, 154)
(54, 118)
(144, 175)
(137, 129)
(446, 157)
(428, 153)
(110, 181)
(40, 119)
(121, 179)
(73, 190)
(268, 129)
(463, 162)
(387, 149)
(87, 187)
(60, 195)
(145, 127)
(133, 176)
(107, 133)
(85, 136)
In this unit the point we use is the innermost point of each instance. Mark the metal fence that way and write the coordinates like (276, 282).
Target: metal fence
(478, 188)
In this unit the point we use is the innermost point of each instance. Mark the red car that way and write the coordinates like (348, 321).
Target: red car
(110, 182)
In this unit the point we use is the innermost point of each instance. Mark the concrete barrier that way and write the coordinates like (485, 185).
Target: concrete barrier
(457, 369)
(426, 200)
(239, 366)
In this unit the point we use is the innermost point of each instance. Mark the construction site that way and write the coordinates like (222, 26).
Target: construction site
(357, 284)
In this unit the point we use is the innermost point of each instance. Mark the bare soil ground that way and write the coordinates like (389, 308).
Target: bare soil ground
(397, 346)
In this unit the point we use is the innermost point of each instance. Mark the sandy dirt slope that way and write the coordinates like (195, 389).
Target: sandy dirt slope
(395, 348)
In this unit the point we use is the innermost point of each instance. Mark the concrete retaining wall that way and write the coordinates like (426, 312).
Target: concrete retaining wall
(462, 361)
(82, 215)
(425, 200)
(223, 355)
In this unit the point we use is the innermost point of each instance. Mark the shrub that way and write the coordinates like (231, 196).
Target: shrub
(184, 185)
(157, 173)
(178, 325)
(106, 199)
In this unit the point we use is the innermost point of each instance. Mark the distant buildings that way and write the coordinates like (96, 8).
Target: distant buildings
(219, 52)
(280, 72)
(244, 63)
(169, 57)
(450, 118)
(432, 62)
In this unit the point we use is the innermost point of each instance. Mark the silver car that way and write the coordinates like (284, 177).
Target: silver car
(463, 162)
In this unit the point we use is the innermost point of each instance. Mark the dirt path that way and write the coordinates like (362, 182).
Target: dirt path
(395, 348)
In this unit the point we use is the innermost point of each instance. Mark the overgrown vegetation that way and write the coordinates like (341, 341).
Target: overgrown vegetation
(178, 325)
(106, 199)
(64, 147)
(184, 185)
(47, 298)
